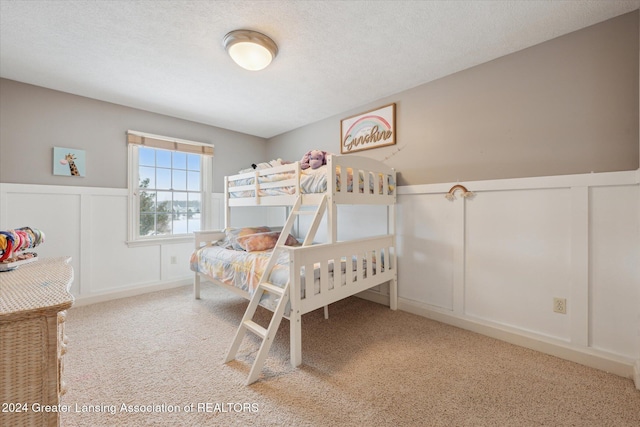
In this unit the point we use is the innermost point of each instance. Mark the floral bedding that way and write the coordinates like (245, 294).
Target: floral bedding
(243, 270)
(240, 269)
(311, 181)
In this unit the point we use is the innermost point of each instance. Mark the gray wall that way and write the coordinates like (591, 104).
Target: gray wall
(566, 106)
(33, 120)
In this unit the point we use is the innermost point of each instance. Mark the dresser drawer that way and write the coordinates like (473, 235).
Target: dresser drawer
(32, 323)
(63, 341)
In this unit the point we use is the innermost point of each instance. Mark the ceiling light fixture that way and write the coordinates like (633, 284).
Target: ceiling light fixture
(249, 49)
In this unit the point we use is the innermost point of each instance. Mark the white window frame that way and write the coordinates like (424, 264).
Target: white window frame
(206, 189)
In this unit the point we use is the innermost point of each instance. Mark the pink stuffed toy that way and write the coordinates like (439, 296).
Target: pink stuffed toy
(313, 159)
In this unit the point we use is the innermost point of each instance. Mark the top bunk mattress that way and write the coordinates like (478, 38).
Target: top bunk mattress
(311, 181)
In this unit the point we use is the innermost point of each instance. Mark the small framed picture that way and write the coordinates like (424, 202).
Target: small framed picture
(372, 129)
(69, 162)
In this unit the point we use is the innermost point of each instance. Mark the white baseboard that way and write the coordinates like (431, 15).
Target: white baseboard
(374, 297)
(599, 360)
(108, 296)
(603, 361)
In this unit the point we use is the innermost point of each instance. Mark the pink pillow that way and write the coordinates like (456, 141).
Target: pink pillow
(233, 234)
(263, 241)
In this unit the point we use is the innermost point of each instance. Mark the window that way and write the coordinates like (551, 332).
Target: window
(169, 187)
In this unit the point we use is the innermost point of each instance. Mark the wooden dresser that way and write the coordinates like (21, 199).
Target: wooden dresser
(33, 300)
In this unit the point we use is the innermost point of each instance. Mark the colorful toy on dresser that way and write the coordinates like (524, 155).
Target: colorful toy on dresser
(14, 243)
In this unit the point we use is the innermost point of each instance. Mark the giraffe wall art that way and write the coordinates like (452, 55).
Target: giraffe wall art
(68, 162)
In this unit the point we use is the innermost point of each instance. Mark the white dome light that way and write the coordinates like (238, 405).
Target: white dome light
(249, 49)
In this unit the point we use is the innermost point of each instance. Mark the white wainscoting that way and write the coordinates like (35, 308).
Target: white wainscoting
(90, 225)
(493, 263)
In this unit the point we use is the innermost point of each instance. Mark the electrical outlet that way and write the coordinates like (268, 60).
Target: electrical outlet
(560, 305)
(174, 259)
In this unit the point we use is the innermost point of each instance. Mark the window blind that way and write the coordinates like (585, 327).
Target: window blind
(166, 143)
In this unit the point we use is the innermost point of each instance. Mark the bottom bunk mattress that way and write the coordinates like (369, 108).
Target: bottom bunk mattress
(243, 270)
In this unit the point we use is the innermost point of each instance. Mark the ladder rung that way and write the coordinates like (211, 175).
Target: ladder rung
(272, 288)
(255, 328)
(304, 212)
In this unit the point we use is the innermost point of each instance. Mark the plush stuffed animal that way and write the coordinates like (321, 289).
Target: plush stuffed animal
(313, 159)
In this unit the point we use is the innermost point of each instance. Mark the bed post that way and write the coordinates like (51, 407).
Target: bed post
(295, 318)
(296, 338)
(196, 286)
(227, 209)
(393, 260)
(393, 283)
(391, 210)
(196, 278)
(332, 210)
(332, 214)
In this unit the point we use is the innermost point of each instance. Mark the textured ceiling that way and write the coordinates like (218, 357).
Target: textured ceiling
(167, 56)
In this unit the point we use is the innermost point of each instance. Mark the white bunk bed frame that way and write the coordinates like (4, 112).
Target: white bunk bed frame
(364, 277)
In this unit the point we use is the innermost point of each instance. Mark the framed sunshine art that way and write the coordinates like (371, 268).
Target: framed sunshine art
(372, 129)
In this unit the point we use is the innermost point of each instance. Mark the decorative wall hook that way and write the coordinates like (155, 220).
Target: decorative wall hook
(465, 193)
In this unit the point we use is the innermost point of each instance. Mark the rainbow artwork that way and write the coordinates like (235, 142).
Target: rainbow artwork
(368, 130)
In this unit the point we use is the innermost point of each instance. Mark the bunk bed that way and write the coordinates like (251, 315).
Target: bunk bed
(294, 277)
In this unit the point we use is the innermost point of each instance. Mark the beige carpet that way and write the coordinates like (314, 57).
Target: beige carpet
(365, 366)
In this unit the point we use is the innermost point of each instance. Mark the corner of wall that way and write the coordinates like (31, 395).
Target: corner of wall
(636, 374)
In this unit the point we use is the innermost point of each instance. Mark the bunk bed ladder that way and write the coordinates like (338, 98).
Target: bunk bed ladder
(247, 324)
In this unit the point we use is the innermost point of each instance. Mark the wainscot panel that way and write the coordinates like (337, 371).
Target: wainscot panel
(89, 224)
(494, 261)
(614, 269)
(57, 214)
